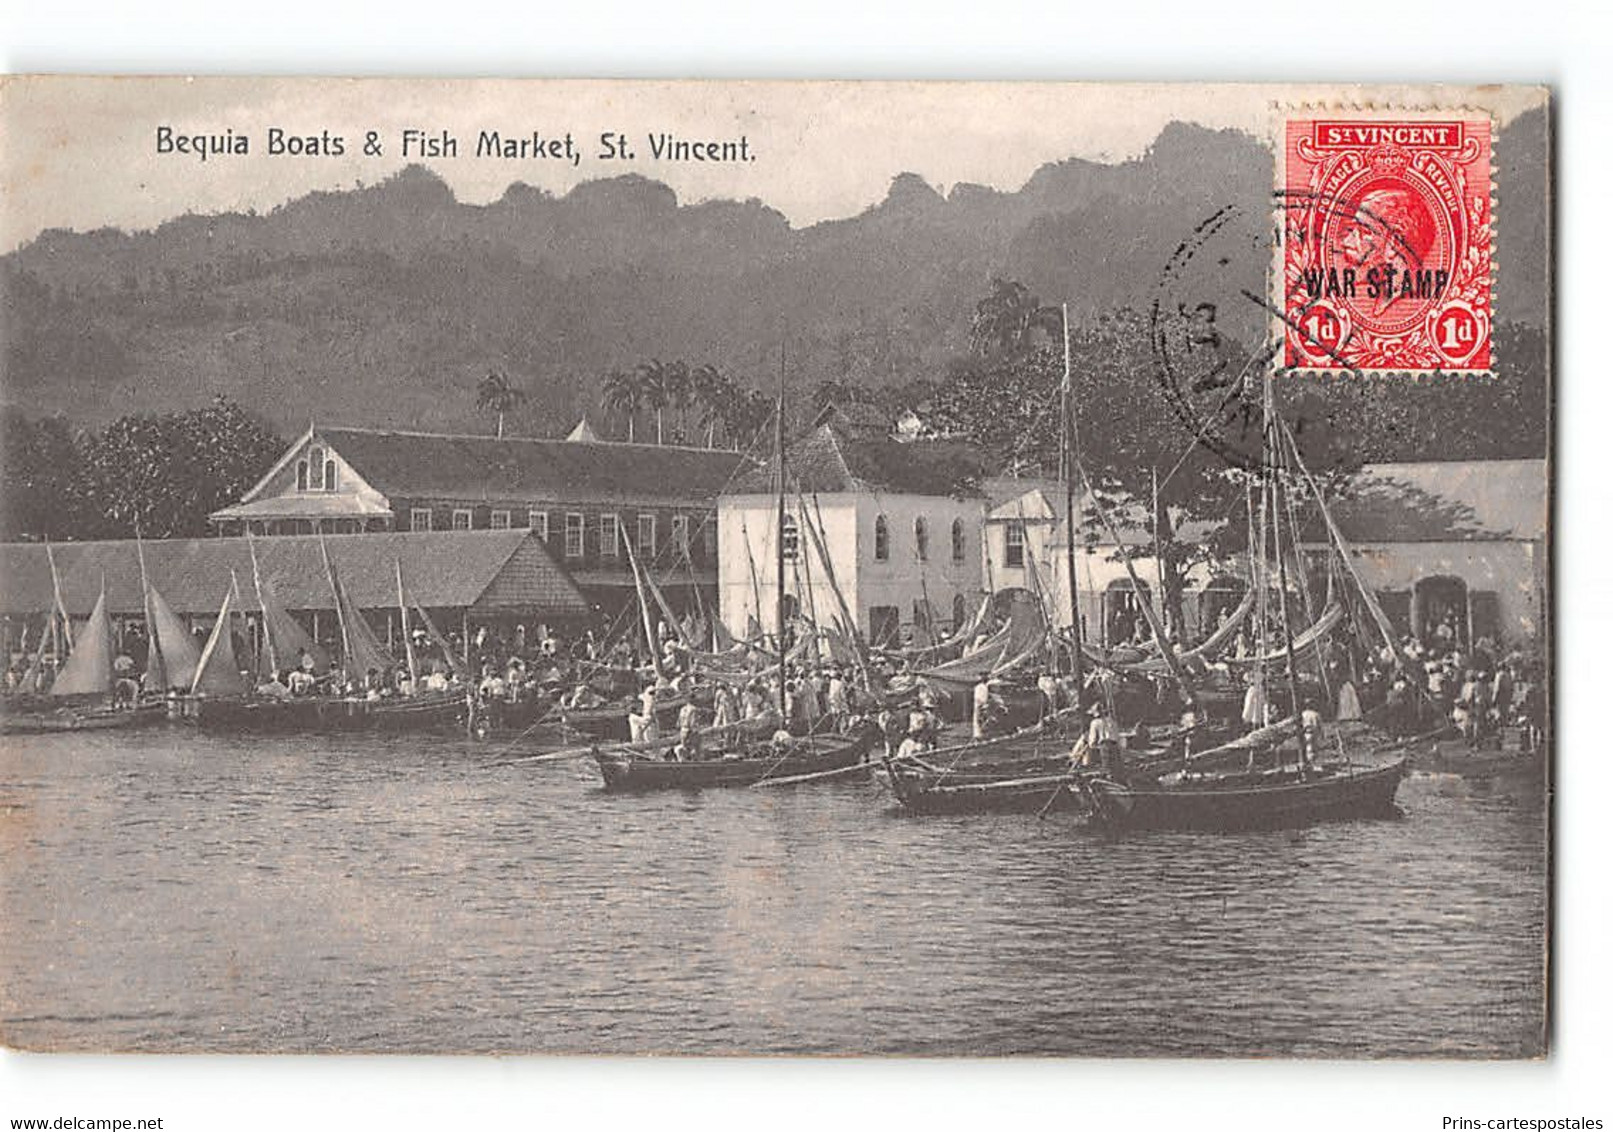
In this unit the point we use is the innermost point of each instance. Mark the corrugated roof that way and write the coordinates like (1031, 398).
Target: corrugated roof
(415, 465)
(1444, 501)
(828, 460)
(450, 569)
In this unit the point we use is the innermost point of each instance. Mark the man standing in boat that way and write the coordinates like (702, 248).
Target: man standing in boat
(1103, 740)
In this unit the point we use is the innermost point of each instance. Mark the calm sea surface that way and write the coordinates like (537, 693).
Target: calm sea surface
(166, 891)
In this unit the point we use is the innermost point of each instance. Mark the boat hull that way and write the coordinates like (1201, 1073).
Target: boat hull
(1028, 793)
(1343, 794)
(255, 716)
(81, 719)
(627, 769)
(610, 723)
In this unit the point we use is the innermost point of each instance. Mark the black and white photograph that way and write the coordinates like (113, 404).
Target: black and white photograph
(804, 568)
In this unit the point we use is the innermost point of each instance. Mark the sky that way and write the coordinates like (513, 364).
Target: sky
(82, 152)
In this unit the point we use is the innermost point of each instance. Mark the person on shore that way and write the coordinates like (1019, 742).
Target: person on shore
(982, 708)
(1310, 731)
(724, 709)
(839, 699)
(1256, 711)
(1349, 703)
(1048, 685)
(688, 718)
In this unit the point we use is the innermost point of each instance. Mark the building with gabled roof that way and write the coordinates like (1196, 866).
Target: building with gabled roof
(901, 522)
(1456, 543)
(475, 576)
(581, 497)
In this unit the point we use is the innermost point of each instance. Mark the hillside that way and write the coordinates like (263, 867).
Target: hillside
(384, 304)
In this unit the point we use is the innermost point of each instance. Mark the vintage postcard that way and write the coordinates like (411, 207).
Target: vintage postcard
(775, 568)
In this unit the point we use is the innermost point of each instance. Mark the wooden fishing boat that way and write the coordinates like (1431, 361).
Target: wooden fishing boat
(924, 789)
(1021, 776)
(97, 717)
(273, 715)
(609, 723)
(1278, 797)
(645, 766)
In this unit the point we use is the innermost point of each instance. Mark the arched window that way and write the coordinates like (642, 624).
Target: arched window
(302, 475)
(957, 540)
(921, 538)
(882, 539)
(330, 475)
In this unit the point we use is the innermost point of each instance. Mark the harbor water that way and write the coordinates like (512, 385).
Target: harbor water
(169, 891)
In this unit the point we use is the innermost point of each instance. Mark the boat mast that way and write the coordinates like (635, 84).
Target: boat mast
(403, 623)
(56, 589)
(341, 614)
(1271, 453)
(778, 445)
(650, 641)
(153, 648)
(263, 610)
(1067, 442)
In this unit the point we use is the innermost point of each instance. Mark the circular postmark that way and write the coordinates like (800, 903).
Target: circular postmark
(1218, 334)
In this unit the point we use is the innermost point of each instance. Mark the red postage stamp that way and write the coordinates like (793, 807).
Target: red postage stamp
(1388, 245)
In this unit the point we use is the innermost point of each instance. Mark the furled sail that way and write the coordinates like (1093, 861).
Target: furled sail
(1310, 638)
(1206, 649)
(1021, 639)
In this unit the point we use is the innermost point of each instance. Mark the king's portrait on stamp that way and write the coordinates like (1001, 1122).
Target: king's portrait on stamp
(807, 568)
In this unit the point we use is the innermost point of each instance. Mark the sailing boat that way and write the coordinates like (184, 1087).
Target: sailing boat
(743, 759)
(1299, 783)
(81, 697)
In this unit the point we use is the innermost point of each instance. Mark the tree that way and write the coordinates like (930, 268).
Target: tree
(495, 394)
(713, 395)
(623, 396)
(679, 387)
(163, 475)
(39, 461)
(655, 377)
(1006, 321)
(1128, 434)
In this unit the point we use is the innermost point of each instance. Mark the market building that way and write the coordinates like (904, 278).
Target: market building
(462, 579)
(900, 521)
(1460, 544)
(580, 497)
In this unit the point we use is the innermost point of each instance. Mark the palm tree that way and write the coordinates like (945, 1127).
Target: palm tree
(750, 412)
(623, 395)
(654, 378)
(679, 396)
(714, 394)
(495, 394)
(1005, 320)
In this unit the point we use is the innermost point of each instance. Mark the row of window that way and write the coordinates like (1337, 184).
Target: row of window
(609, 528)
(921, 539)
(317, 472)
